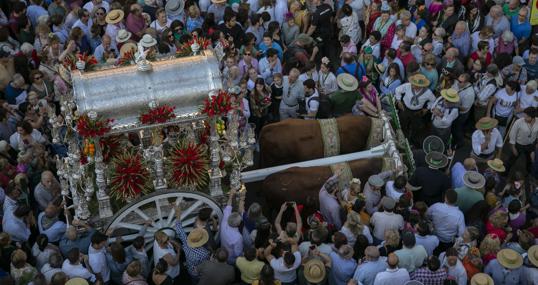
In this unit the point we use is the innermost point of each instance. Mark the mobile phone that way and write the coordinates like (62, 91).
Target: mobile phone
(312, 247)
(289, 204)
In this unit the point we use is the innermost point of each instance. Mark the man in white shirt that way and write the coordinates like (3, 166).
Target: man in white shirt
(412, 255)
(92, 5)
(467, 97)
(448, 221)
(311, 99)
(486, 140)
(395, 189)
(444, 113)
(269, 65)
(485, 87)
(285, 267)
(523, 137)
(393, 274)
(328, 203)
(527, 97)
(84, 22)
(410, 27)
(50, 225)
(453, 265)
(105, 50)
(97, 256)
(386, 220)
(52, 267)
(73, 267)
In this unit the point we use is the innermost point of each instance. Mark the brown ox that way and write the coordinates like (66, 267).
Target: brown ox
(302, 184)
(296, 140)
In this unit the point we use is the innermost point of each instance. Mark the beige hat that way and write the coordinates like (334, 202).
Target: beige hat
(218, 1)
(174, 7)
(380, 68)
(451, 95)
(76, 281)
(197, 238)
(114, 16)
(509, 258)
(482, 279)
(419, 80)
(346, 251)
(474, 180)
(127, 47)
(347, 82)
(3, 146)
(497, 165)
(148, 41)
(533, 255)
(314, 270)
(123, 36)
(486, 123)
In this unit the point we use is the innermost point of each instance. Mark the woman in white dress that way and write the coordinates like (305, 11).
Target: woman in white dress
(349, 24)
(326, 79)
(353, 227)
(168, 250)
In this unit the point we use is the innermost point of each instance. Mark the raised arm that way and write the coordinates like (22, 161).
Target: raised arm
(278, 218)
(298, 218)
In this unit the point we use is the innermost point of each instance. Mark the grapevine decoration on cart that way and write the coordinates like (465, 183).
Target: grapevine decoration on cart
(129, 176)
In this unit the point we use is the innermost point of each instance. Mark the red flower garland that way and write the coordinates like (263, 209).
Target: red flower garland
(89, 128)
(218, 105)
(130, 178)
(186, 50)
(70, 61)
(157, 115)
(189, 164)
(127, 58)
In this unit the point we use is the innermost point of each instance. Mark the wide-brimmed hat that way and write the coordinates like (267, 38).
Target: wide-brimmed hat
(509, 258)
(174, 7)
(123, 36)
(436, 160)
(482, 279)
(474, 180)
(347, 82)
(419, 80)
(486, 123)
(126, 47)
(533, 255)
(148, 41)
(314, 270)
(218, 1)
(380, 68)
(76, 281)
(518, 60)
(433, 143)
(376, 181)
(197, 238)
(114, 16)
(497, 165)
(346, 251)
(451, 95)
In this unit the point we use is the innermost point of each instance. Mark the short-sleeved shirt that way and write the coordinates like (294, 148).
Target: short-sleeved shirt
(284, 273)
(322, 20)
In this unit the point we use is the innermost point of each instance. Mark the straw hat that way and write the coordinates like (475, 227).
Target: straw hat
(314, 270)
(474, 180)
(148, 41)
(433, 143)
(197, 238)
(436, 160)
(509, 258)
(347, 82)
(533, 255)
(419, 80)
(114, 16)
(127, 47)
(76, 281)
(346, 251)
(380, 68)
(482, 279)
(174, 7)
(218, 1)
(451, 95)
(123, 36)
(486, 123)
(497, 165)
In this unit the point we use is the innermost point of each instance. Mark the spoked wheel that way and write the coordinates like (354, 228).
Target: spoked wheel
(157, 210)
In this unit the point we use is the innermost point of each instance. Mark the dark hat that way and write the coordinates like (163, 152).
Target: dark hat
(436, 160)
(433, 143)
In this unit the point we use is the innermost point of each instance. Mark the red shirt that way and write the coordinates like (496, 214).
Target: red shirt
(406, 58)
(474, 56)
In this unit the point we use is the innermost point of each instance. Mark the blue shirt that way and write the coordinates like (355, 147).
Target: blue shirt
(263, 48)
(367, 271)
(341, 270)
(357, 71)
(34, 12)
(193, 256)
(11, 94)
(457, 175)
(520, 30)
(503, 276)
(532, 69)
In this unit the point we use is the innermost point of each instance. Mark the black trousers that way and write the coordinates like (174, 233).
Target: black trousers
(458, 129)
(413, 126)
(523, 151)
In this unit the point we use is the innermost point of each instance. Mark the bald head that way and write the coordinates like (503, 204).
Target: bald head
(469, 163)
(372, 252)
(392, 260)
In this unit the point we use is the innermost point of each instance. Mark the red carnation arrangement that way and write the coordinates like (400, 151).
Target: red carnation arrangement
(127, 58)
(218, 105)
(70, 61)
(129, 177)
(157, 115)
(186, 49)
(91, 128)
(189, 164)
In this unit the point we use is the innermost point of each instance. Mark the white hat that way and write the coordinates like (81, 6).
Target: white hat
(148, 41)
(174, 7)
(123, 36)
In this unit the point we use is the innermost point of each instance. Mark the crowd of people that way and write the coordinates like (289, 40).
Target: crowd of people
(461, 74)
